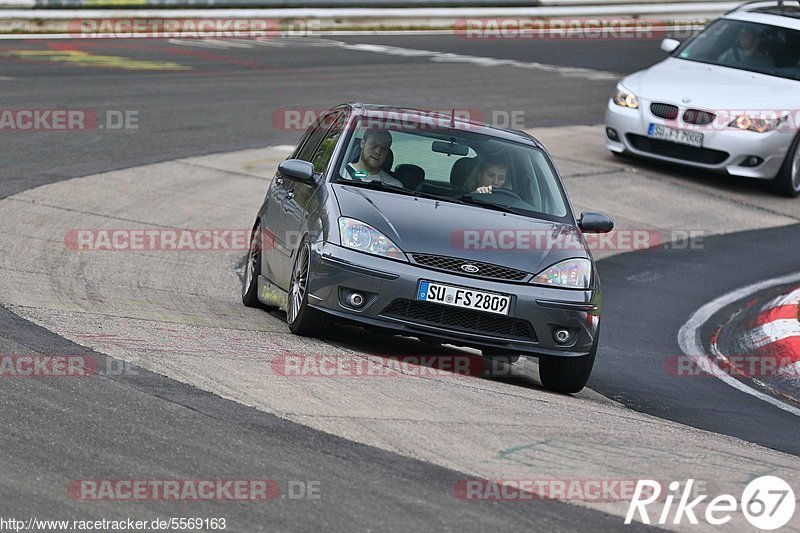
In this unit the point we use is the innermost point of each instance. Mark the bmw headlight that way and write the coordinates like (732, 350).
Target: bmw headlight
(568, 274)
(625, 98)
(364, 238)
(757, 124)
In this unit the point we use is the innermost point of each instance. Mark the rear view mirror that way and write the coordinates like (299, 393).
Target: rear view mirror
(669, 45)
(450, 148)
(591, 222)
(297, 169)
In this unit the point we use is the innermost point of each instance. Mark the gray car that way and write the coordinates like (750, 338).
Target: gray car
(426, 225)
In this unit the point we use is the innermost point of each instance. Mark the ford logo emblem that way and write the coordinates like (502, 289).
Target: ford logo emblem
(472, 269)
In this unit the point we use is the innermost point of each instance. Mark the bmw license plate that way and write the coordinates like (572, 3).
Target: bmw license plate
(692, 138)
(467, 298)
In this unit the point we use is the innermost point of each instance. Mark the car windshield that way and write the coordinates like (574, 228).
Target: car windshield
(747, 46)
(454, 165)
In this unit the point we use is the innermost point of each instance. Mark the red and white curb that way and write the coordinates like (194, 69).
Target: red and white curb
(775, 331)
(776, 334)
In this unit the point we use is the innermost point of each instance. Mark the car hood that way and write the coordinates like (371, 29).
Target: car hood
(712, 87)
(426, 226)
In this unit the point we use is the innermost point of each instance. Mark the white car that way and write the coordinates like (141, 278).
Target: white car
(727, 100)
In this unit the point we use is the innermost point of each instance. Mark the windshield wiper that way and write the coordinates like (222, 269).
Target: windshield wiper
(463, 199)
(378, 184)
(381, 186)
(469, 199)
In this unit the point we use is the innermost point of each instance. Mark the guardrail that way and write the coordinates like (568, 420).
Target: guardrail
(205, 4)
(42, 16)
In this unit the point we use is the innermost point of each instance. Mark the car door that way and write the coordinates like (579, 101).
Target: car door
(271, 215)
(289, 197)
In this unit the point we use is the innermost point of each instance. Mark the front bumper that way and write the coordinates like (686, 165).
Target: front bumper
(724, 149)
(390, 288)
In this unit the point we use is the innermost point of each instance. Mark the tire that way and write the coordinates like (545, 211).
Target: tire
(566, 375)
(787, 182)
(302, 319)
(253, 269)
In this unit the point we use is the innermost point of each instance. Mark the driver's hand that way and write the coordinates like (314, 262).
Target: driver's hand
(484, 190)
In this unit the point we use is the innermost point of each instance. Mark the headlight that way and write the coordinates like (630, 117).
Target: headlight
(570, 274)
(623, 97)
(757, 124)
(364, 238)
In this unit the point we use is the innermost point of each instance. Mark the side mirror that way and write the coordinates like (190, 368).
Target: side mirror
(591, 222)
(298, 170)
(669, 45)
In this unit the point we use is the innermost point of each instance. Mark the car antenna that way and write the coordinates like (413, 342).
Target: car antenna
(453, 114)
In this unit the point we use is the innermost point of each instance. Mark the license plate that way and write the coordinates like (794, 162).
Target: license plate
(692, 138)
(490, 302)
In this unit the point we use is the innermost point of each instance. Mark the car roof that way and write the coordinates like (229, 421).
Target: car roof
(771, 12)
(420, 116)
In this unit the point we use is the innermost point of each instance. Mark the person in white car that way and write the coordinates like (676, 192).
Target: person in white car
(749, 52)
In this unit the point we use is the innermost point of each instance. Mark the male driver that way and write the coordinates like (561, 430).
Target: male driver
(374, 149)
(749, 52)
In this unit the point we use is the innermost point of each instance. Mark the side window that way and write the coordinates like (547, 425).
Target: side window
(300, 144)
(323, 154)
(320, 129)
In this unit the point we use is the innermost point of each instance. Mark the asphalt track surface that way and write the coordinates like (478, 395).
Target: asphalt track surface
(225, 99)
(225, 102)
(151, 427)
(648, 297)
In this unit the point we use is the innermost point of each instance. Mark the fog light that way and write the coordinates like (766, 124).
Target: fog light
(355, 299)
(752, 161)
(611, 133)
(561, 336)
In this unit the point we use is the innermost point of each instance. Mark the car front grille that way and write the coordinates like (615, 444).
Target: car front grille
(667, 111)
(677, 151)
(453, 264)
(467, 320)
(698, 117)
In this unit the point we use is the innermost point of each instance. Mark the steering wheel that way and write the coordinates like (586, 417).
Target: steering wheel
(507, 192)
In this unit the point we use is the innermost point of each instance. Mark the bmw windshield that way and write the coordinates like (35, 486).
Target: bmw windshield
(455, 165)
(747, 46)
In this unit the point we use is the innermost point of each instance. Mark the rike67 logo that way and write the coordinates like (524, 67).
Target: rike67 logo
(767, 503)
